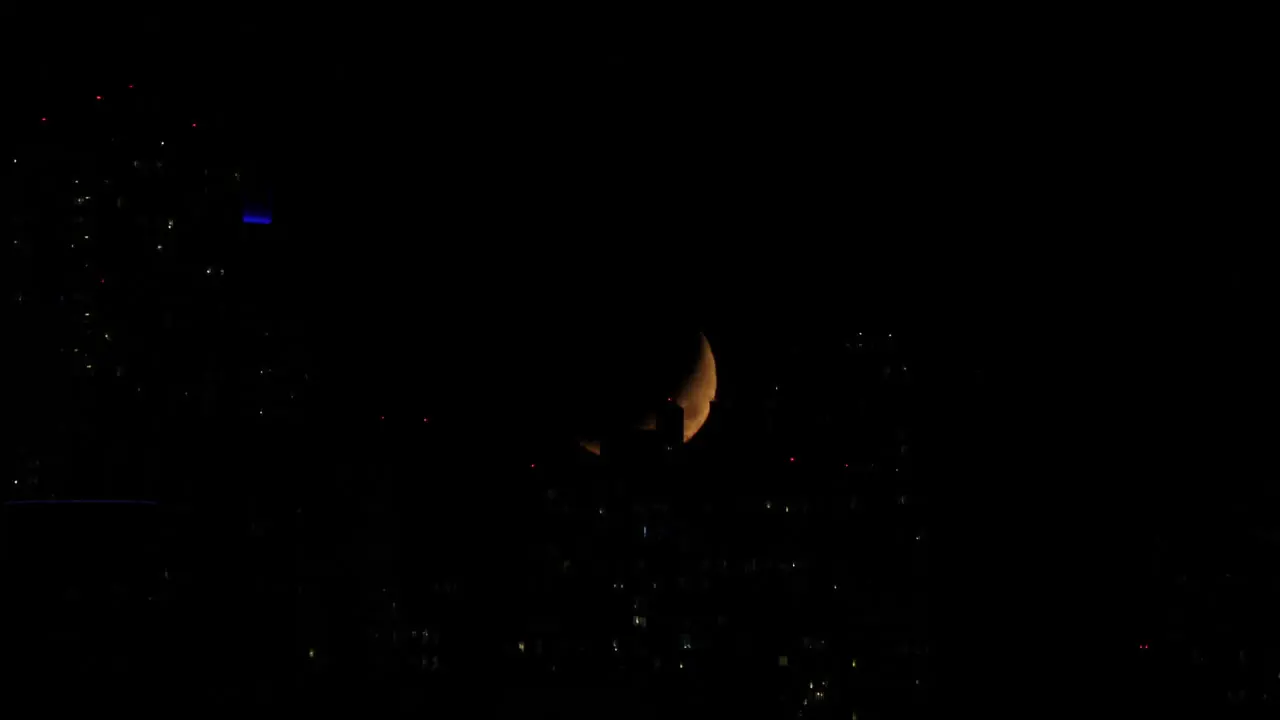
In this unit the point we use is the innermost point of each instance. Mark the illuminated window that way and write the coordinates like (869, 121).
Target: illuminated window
(853, 663)
(311, 653)
(768, 505)
(782, 661)
(639, 621)
(685, 642)
(520, 646)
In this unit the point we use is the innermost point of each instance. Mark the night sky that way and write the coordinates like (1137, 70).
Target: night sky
(493, 238)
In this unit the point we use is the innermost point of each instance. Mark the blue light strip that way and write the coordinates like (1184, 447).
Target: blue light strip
(257, 219)
(81, 502)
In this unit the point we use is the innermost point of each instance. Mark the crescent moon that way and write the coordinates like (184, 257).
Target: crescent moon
(698, 391)
(695, 396)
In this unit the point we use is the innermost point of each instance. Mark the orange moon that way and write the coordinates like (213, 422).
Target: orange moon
(694, 397)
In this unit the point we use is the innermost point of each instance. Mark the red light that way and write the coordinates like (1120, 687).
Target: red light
(193, 124)
(846, 464)
(44, 119)
(533, 465)
(98, 97)
(793, 459)
(103, 281)
(130, 86)
(426, 419)
(382, 417)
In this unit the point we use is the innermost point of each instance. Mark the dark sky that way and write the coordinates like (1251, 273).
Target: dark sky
(493, 204)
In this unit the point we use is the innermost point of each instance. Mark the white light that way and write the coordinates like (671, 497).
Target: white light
(312, 652)
(86, 314)
(161, 142)
(86, 237)
(259, 412)
(793, 564)
(76, 182)
(208, 271)
(159, 247)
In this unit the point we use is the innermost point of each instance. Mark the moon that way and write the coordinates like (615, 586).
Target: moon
(694, 396)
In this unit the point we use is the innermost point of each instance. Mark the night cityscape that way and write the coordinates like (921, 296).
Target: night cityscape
(507, 374)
